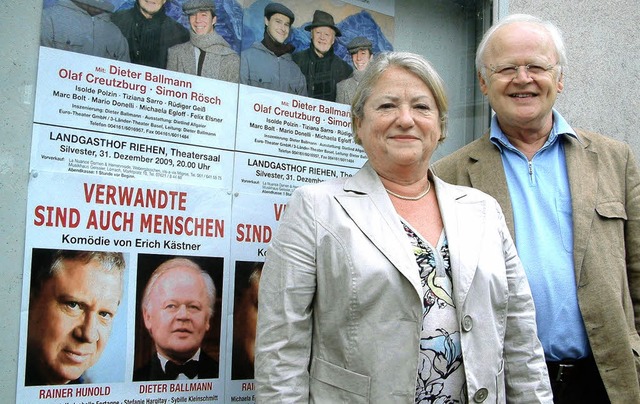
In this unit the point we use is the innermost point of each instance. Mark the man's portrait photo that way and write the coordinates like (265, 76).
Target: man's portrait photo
(74, 297)
(178, 333)
(245, 317)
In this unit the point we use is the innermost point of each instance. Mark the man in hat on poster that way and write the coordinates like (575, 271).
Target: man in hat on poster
(360, 49)
(322, 68)
(206, 54)
(150, 32)
(268, 63)
(83, 26)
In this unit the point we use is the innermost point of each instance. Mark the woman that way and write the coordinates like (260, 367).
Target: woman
(392, 286)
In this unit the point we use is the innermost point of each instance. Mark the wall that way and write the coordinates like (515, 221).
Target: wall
(602, 83)
(19, 30)
(602, 93)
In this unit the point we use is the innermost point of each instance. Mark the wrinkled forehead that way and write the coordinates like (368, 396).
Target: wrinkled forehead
(323, 31)
(520, 41)
(89, 278)
(180, 275)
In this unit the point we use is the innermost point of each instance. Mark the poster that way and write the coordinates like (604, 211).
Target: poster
(153, 196)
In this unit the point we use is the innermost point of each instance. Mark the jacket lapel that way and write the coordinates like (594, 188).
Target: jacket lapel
(365, 199)
(464, 224)
(495, 183)
(582, 168)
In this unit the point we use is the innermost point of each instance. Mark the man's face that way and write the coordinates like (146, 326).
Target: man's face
(246, 317)
(361, 59)
(178, 313)
(522, 102)
(322, 39)
(202, 22)
(278, 26)
(70, 320)
(150, 7)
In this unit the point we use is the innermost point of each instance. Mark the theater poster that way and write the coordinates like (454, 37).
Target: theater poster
(151, 183)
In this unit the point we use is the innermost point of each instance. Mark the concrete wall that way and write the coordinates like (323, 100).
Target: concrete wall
(602, 83)
(19, 33)
(602, 93)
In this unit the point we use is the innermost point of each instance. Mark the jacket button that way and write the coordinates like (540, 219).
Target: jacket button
(480, 395)
(467, 323)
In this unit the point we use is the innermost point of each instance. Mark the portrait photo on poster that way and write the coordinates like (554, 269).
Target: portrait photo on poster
(281, 41)
(245, 316)
(178, 317)
(77, 317)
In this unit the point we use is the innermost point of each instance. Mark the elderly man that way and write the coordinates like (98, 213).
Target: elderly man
(360, 49)
(73, 299)
(206, 54)
(572, 200)
(150, 32)
(83, 26)
(268, 64)
(321, 67)
(177, 305)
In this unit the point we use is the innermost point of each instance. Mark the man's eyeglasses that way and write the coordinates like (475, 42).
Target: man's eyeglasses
(509, 72)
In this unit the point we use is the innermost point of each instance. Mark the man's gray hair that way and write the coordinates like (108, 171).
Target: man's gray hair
(46, 263)
(178, 263)
(554, 33)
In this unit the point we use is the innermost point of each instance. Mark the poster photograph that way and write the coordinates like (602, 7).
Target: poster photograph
(167, 139)
(255, 221)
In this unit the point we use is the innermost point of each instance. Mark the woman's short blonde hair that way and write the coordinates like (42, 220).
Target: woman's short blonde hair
(411, 62)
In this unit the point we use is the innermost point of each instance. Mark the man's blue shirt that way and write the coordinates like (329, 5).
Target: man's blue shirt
(542, 213)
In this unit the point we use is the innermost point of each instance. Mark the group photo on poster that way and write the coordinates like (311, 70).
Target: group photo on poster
(303, 47)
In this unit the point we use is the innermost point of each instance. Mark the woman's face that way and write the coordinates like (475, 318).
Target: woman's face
(400, 127)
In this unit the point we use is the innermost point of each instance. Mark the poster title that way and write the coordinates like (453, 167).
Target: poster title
(168, 216)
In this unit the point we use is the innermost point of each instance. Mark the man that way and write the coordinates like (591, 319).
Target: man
(245, 317)
(177, 305)
(83, 26)
(360, 49)
(73, 299)
(321, 67)
(268, 64)
(572, 200)
(206, 54)
(150, 32)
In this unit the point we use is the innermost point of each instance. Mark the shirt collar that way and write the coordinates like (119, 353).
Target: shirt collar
(560, 127)
(163, 360)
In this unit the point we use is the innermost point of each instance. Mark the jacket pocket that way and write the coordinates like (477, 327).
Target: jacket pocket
(611, 210)
(609, 226)
(68, 44)
(261, 79)
(340, 378)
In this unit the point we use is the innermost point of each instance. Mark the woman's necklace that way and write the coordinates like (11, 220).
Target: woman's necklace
(411, 198)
